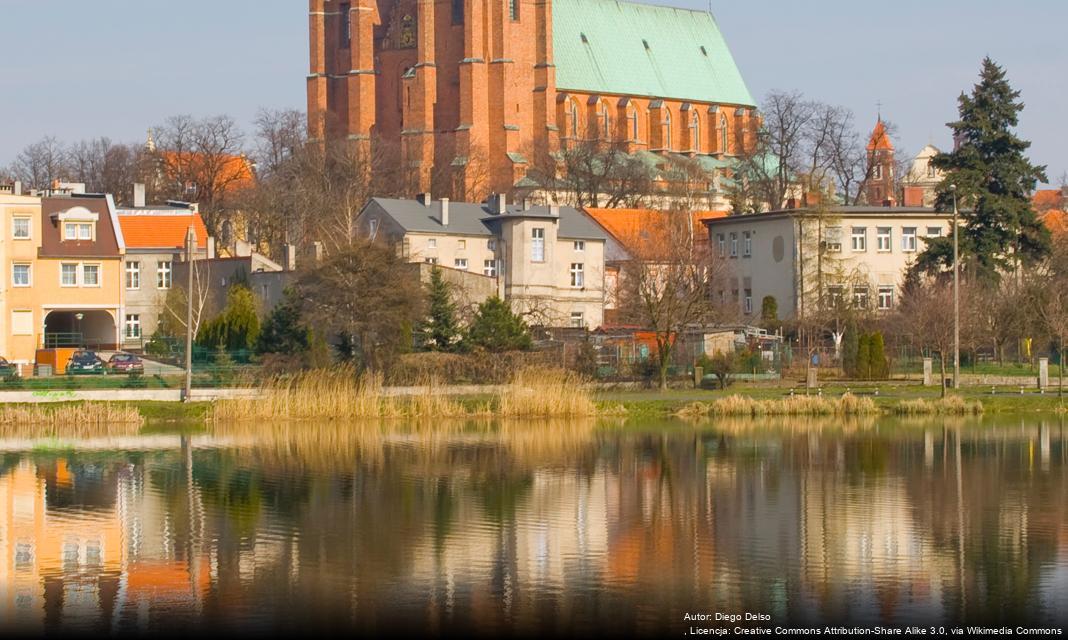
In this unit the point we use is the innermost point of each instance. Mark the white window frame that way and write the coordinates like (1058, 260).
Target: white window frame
(132, 321)
(884, 239)
(578, 320)
(491, 244)
(460, 263)
(748, 301)
(430, 260)
(14, 227)
(489, 268)
(832, 239)
(77, 270)
(164, 274)
(78, 226)
(734, 244)
(861, 296)
(99, 272)
(537, 244)
(432, 243)
(909, 239)
(578, 275)
(747, 244)
(722, 239)
(934, 232)
(461, 245)
(886, 292)
(580, 245)
(29, 275)
(133, 268)
(859, 239)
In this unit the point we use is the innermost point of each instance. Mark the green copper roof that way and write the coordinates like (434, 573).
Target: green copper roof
(608, 46)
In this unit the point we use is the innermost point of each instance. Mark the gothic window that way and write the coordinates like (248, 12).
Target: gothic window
(667, 130)
(513, 10)
(573, 112)
(695, 132)
(345, 24)
(457, 11)
(606, 122)
(723, 133)
(633, 117)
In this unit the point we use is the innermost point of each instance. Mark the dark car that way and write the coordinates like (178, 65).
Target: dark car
(85, 362)
(125, 363)
(7, 369)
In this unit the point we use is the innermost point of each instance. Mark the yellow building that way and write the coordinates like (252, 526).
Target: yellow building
(62, 283)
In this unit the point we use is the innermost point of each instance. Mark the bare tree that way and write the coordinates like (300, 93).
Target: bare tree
(1050, 300)
(39, 164)
(594, 174)
(666, 284)
(107, 167)
(173, 305)
(925, 316)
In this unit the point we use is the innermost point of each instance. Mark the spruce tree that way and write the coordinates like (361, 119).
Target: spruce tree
(283, 331)
(495, 328)
(877, 357)
(441, 331)
(864, 357)
(849, 350)
(994, 182)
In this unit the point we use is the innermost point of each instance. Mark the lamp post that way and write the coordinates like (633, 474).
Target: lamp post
(956, 294)
(78, 317)
(190, 255)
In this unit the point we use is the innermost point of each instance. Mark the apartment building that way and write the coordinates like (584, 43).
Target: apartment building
(547, 261)
(858, 254)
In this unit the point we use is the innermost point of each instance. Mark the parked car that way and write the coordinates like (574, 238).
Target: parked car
(125, 363)
(85, 362)
(7, 369)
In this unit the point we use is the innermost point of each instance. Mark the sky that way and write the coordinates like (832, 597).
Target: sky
(77, 70)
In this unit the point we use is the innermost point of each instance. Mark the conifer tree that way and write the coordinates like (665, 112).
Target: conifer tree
(864, 357)
(441, 331)
(877, 357)
(495, 328)
(994, 182)
(850, 343)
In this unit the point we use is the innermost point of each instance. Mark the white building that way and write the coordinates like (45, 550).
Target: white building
(859, 254)
(924, 175)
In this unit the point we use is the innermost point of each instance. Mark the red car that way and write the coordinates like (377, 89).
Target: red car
(125, 363)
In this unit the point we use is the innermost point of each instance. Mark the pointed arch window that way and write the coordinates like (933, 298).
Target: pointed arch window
(724, 135)
(633, 116)
(606, 121)
(573, 111)
(695, 132)
(667, 130)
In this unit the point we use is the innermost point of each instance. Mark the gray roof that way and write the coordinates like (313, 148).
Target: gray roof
(469, 219)
(841, 211)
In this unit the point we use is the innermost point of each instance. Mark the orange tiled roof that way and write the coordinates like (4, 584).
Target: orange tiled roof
(1046, 199)
(626, 224)
(161, 231)
(235, 173)
(879, 139)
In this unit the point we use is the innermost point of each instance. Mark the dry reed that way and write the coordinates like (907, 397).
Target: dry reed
(736, 405)
(948, 406)
(69, 420)
(545, 393)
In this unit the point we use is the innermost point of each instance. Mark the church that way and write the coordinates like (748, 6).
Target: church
(471, 91)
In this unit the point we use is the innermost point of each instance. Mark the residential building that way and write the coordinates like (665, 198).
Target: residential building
(470, 91)
(547, 261)
(856, 255)
(923, 179)
(264, 277)
(1051, 206)
(62, 274)
(155, 242)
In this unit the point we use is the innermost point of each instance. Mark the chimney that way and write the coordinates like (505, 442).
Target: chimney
(444, 212)
(139, 195)
(424, 199)
(18, 187)
(291, 257)
(211, 247)
(500, 204)
(554, 211)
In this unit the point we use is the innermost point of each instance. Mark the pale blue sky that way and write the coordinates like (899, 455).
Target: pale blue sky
(78, 69)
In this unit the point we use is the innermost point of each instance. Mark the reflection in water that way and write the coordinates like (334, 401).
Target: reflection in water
(551, 527)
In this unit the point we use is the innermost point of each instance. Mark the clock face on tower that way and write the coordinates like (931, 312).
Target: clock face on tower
(407, 32)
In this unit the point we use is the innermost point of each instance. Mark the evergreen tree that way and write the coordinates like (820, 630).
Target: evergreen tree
(769, 313)
(237, 327)
(877, 365)
(864, 357)
(441, 330)
(850, 344)
(994, 181)
(495, 328)
(283, 331)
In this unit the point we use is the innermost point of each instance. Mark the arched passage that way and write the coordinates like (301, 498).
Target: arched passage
(88, 328)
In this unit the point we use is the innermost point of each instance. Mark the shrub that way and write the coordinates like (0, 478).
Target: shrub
(495, 328)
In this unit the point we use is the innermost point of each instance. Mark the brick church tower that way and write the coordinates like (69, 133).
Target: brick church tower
(879, 189)
(470, 92)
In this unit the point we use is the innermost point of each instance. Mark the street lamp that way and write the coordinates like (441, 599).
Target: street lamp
(78, 317)
(956, 294)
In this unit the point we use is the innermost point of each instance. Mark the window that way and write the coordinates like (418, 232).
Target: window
(908, 238)
(78, 231)
(882, 239)
(934, 232)
(457, 11)
(432, 243)
(859, 239)
(20, 228)
(461, 245)
(513, 10)
(747, 244)
(723, 139)
(877, 172)
(572, 107)
(68, 275)
(722, 240)
(373, 228)
(580, 245)
(460, 263)
(832, 239)
(133, 325)
(606, 122)
(633, 116)
(667, 130)
(537, 245)
(90, 275)
(578, 276)
(749, 301)
(489, 268)
(491, 244)
(860, 296)
(20, 275)
(734, 245)
(931, 172)
(886, 298)
(345, 24)
(163, 274)
(430, 260)
(22, 323)
(834, 294)
(133, 275)
(578, 319)
(695, 132)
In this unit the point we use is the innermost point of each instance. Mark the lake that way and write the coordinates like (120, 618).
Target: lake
(549, 528)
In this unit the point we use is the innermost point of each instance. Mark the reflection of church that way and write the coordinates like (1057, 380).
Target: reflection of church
(471, 93)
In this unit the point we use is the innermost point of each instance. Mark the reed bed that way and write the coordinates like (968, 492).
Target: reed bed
(740, 406)
(69, 420)
(341, 394)
(948, 406)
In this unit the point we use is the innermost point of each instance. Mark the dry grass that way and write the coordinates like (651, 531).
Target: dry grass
(69, 420)
(341, 394)
(948, 406)
(847, 405)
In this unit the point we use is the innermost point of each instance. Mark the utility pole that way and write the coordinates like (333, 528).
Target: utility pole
(190, 255)
(956, 294)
